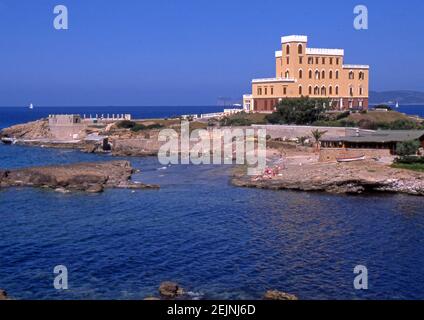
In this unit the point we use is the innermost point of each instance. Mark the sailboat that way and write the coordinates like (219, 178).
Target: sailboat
(31, 106)
(397, 104)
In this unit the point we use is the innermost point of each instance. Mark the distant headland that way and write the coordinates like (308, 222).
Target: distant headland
(403, 97)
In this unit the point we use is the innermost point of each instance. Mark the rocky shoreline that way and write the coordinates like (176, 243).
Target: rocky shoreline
(86, 177)
(348, 178)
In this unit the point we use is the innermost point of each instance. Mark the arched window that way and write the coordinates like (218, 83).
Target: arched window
(300, 90)
(330, 75)
(337, 74)
(300, 74)
(351, 91)
(323, 91)
(361, 91)
(310, 90)
(287, 74)
(337, 90)
(351, 75)
(361, 76)
(330, 90)
(310, 74)
(323, 74)
(288, 49)
(317, 75)
(299, 49)
(316, 91)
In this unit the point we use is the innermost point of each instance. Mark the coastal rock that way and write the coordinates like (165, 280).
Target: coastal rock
(32, 130)
(96, 188)
(3, 295)
(87, 177)
(347, 178)
(151, 299)
(278, 295)
(170, 289)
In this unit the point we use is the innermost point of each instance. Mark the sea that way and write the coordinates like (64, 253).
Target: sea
(217, 241)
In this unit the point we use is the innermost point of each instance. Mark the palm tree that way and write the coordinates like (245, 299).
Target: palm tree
(317, 135)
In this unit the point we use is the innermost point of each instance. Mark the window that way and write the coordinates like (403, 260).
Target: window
(351, 75)
(288, 49)
(330, 90)
(317, 75)
(266, 90)
(259, 91)
(287, 74)
(299, 49)
(361, 76)
(330, 75)
(310, 90)
(337, 74)
(285, 90)
(361, 91)
(300, 74)
(323, 74)
(272, 90)
(331, 60)
(300, 90)
(351, 91)
(323, 91)
(337, 90)
(323, 60)
(310, 60)
(316, 91)
(310, 74)
(317, 60)
(300, 60)
(337, 60)
(288, 60)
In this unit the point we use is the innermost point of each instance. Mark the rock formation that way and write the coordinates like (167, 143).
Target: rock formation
(170, 290)
(88, 177)
(278, 295)
(355, 178)
(32, 130)
(3, 295)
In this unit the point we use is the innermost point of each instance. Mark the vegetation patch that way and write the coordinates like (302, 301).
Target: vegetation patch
(299, 111)
(243, 119)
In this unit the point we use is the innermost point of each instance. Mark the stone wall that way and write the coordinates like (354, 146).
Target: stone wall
(67, 132)
(292, 132)
(331, 154)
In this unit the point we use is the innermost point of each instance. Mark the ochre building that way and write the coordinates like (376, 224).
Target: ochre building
(314, 72)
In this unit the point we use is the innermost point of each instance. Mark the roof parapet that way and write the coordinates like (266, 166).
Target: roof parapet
(294, 38)
(356, 66)
(325, 52)
(270, 80)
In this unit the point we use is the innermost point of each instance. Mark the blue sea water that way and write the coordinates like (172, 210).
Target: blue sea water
(216, 240)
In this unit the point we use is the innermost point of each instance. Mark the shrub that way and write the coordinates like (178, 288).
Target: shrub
(140, 127)
(235, 121)
(383, 106)
(407, 148)
(410, 160)
(126, 124)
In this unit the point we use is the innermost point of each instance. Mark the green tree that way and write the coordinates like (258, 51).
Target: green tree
(300, 111)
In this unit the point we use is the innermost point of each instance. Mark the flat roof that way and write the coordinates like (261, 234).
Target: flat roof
(380, 136)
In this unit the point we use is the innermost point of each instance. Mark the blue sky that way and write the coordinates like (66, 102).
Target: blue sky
(189, 52)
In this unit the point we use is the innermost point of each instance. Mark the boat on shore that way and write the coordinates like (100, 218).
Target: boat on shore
(351, 159)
